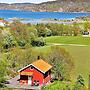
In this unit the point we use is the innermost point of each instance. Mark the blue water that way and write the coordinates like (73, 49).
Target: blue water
(39, 15)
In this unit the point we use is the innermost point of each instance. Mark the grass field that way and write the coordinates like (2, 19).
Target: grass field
(68, 40)
(80, 55)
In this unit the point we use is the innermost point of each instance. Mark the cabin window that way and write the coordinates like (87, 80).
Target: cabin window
(31, 68)
(49, 72)
(46, 74)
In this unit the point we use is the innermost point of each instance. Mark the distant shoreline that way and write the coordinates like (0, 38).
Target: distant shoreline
(42, 17)
(45, 11)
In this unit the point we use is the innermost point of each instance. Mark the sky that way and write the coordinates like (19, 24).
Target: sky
(22, 1)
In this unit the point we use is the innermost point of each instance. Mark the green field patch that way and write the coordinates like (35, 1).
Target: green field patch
(68, 40)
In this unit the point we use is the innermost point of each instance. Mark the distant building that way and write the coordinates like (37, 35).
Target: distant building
(3, 22)
(37, 73)
(86, 33)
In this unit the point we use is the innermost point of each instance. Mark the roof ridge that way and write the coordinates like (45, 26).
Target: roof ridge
(38, 64)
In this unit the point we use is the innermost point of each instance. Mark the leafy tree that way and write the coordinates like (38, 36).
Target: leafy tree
(87, 26)
(38, 42)
(48, 32)
(8, 41)
(41, 30)
(76, 29)
(64, 30)
(21, 43)
(3, 69)
(80, 84)
(1, 39)
(32, 29)
(61, 62)
(20, 32)
(56, 29)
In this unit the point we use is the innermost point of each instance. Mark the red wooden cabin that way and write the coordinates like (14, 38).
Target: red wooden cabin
(38, 72)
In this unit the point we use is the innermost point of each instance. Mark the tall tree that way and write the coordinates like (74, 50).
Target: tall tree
(20, 32)
(61, 62)
(3, 69)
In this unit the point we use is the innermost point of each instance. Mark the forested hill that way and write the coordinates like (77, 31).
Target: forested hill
(58, 5)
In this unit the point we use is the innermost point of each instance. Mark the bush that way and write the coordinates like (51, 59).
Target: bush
(38, 42)
(3, 69)
(8, 41)
(80, 84)
(21, 43)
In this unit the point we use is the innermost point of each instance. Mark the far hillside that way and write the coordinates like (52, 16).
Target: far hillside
(52, 6)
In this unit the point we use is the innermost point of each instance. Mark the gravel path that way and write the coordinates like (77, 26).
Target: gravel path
(60, 44)
(14, 83)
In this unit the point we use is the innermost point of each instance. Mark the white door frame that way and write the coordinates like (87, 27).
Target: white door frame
(30, 80)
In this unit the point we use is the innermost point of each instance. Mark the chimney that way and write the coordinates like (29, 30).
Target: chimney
(38, 57)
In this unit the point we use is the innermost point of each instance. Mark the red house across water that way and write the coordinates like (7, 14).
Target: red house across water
(37, 73)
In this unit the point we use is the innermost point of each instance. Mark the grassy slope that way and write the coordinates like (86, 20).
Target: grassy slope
(68, 40)
(81, 55)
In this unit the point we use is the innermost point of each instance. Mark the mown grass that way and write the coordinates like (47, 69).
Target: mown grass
(68, 40)
(81, 57)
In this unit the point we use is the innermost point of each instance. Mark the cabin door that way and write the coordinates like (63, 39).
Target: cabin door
(29, 80)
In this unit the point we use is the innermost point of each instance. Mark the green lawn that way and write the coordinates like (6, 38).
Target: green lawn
(81, 57)
(68, 40)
